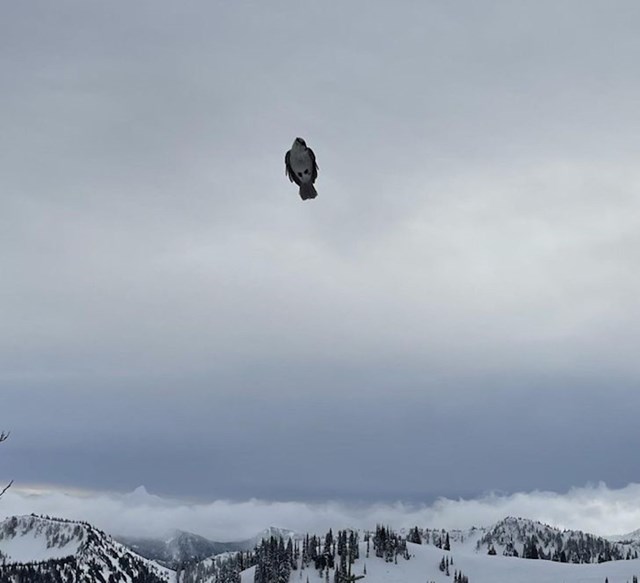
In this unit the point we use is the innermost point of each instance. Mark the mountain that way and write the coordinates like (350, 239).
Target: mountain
(521, 537)
(183, 547)
(179, 548)
(42, 549)
(266, 534)
(37, 549)
(427, 563)
(631, 538)
(477, 567)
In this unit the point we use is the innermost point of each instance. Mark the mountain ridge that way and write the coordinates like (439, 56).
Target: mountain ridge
(40, 548)
(532, 539)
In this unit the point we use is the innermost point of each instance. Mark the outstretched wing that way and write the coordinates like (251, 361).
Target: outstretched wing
(314, 165)
(288, 170)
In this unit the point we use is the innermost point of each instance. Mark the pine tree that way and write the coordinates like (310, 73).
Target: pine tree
(354, 547)
(414, 536)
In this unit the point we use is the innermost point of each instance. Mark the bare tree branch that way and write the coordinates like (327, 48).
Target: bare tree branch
(3, 437)
(6, 488)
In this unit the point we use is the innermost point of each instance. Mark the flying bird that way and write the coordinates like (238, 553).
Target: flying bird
(301, 168)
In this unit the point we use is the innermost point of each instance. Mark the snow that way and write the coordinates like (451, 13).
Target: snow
(33, 540)
(482, 568)
(26, 539)
(34, 547)
(248, 575)
(423, 567)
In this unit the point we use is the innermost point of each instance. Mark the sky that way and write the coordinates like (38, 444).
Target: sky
(456, 315)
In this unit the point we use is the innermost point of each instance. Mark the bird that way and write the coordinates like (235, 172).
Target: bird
(301, 167)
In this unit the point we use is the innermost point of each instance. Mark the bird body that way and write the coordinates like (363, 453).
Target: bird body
(301, 168)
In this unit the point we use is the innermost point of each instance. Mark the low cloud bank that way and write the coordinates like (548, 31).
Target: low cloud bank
(593, 508)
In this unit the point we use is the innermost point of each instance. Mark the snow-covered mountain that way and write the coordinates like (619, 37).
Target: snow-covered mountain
(631, 538)
(35, 548)
(178, 548)
(267, 533)
(466, 562)
(186, 547)
(521, 537)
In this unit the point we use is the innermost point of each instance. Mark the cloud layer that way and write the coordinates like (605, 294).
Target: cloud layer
(596, 509)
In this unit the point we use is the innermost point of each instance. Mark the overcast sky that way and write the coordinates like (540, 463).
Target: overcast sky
(456, 313)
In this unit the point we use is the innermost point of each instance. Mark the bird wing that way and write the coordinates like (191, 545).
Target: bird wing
(314, 165)
(288, 170)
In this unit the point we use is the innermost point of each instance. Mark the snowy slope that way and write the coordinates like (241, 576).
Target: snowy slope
(516, 536)
(522, 537)
(24, 539)
(34, 546)
(422, 567)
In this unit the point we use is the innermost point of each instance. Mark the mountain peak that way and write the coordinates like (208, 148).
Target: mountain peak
(531, 539)
(277, 532)
(72, 550)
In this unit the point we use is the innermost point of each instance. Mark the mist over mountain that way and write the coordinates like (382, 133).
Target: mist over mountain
(182, 547)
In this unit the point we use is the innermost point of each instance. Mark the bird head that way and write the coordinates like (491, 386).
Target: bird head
(301, 142)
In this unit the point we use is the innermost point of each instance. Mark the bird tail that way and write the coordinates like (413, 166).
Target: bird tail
(307, 190)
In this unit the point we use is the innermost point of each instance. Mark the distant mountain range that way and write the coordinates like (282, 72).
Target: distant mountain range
(36, 549)
(182, 547)
(631, 538)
